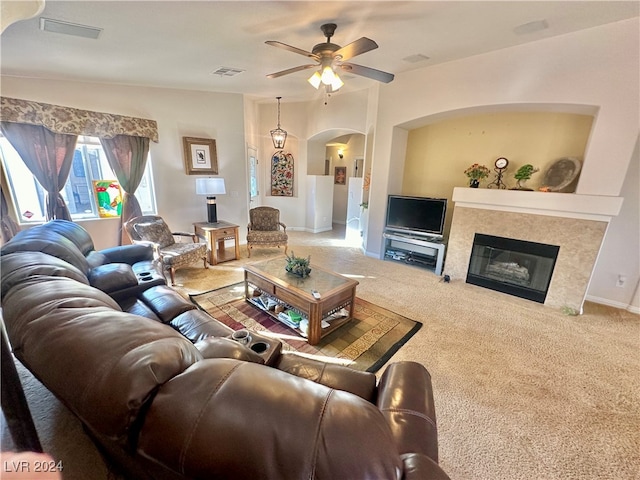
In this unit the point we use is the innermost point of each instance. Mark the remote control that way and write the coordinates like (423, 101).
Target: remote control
(316, 294)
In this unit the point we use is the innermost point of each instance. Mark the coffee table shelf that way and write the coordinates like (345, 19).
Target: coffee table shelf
(336, 292)
(332, 323)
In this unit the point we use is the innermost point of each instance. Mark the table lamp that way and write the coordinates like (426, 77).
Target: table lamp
(210, 187)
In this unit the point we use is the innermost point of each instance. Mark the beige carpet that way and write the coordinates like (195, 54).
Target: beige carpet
(522, 391)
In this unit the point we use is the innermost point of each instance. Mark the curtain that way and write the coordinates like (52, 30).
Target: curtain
(48, 156)
(9, 226)
(127, 156)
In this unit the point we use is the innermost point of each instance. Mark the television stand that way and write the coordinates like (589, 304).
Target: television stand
(414, 250)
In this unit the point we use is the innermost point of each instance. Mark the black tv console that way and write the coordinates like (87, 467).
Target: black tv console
(414, 249)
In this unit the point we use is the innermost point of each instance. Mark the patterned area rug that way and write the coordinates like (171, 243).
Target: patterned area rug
(364, 343)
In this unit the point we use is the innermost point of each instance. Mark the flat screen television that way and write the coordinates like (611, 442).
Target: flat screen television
(416, 215)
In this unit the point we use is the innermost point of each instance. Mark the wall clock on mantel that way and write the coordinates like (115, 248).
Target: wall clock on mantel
(501, 164)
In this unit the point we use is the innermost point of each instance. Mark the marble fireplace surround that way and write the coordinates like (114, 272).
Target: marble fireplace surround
(576, 223)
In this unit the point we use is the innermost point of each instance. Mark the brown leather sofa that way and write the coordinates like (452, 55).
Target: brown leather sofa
(166, 393)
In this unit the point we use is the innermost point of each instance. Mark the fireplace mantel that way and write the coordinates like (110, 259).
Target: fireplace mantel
(569, 205)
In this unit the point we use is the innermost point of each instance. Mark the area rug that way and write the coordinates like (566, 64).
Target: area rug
(365, 343)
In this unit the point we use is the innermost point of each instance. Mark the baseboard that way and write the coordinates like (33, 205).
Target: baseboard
(611, 303)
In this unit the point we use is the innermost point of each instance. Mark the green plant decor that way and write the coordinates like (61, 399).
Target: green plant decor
(523, 174)
(298, 265)
(477, 172)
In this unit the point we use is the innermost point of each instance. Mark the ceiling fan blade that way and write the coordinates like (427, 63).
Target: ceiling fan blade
(290, 70)
(360, 46)
(299, 51)
(378, 75)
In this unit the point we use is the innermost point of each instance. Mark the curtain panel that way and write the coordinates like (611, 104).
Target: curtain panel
(127, 157)
(74, 121)
(48, 156)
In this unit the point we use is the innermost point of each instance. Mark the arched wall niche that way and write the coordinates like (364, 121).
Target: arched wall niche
(438, 148)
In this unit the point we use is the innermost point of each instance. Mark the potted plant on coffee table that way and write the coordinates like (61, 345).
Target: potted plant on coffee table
(298, 265)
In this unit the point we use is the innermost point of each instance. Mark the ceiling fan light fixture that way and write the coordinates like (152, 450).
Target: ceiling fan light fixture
(278, 135)
(328, 75)
(336, 83)
(315, 80)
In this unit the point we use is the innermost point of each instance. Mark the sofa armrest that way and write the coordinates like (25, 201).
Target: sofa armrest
(362, 384)
(112, 277)
(221, 347)
(128, 253)
(421, 467)
(405, 398)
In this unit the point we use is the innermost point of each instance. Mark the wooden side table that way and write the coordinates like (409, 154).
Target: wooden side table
(215, 234)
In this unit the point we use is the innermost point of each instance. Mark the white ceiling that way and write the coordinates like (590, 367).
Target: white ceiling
(178, 44)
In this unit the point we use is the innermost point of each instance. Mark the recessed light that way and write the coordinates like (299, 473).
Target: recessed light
(531, 27)
(416, 58)
(58, 26)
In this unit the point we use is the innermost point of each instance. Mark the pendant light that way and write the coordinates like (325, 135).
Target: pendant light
(278, 135)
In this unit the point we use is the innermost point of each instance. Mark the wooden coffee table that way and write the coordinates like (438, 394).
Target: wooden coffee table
(337, 292)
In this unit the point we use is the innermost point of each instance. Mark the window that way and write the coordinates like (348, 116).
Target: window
(89, 163)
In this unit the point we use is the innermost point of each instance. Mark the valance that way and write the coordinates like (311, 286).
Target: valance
(74, 121)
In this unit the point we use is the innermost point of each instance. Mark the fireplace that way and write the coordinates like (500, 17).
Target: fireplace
(516, 267)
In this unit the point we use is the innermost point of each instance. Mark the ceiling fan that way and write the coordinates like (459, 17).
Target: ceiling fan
(330, 57)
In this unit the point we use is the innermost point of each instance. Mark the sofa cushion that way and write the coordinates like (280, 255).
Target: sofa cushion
(72, 231)
(112, 277)
(165, 302)
(17, 267)
(41, 240)
(138, 307)
(95, 259)
(197, 325)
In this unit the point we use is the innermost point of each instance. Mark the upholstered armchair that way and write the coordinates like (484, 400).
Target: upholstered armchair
(265, 229)
(152, 230)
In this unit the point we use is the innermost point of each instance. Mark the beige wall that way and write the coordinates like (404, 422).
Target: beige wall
(438, 154)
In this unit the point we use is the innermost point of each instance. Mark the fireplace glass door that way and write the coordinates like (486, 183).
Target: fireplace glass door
(516, 267)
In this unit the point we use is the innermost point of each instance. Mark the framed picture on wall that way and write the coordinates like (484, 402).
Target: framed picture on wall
(200, 156)
(340, 176)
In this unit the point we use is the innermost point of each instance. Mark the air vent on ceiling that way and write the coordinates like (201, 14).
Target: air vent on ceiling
(531, 27)
(227, 72)
(58, 26)
(418, 57)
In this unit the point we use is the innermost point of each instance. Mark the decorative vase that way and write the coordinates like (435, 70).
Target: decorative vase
(474, 183)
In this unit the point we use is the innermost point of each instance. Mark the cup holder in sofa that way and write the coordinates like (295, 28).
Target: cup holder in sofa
(259, 347)
(145, 276)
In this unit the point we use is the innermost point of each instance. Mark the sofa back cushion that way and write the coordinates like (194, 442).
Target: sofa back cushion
(41, 239)
(74, 232)
(240, 420)
(17, 267)
(104, 364)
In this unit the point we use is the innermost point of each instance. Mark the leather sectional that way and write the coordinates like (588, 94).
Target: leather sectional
(166, 393)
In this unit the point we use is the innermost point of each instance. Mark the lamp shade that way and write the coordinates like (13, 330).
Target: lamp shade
(210, 186)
